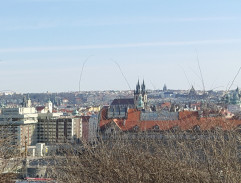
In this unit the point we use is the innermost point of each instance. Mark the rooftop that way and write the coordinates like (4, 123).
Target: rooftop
(187, 120)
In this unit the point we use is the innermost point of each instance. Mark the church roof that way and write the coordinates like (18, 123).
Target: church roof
(124, 101)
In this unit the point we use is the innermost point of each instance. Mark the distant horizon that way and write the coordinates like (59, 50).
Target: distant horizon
(52, 92)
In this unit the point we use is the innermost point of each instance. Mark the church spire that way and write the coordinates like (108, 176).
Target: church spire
(138, 87)
(165, 88)
(140, 95)
(237, 90)
(143, 88)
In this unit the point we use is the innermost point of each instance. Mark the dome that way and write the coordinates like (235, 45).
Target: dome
(75, 112)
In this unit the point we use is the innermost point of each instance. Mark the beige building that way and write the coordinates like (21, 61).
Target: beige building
(93, 109)
(18, 125)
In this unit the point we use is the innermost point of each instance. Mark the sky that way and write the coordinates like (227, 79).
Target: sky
(72, 45)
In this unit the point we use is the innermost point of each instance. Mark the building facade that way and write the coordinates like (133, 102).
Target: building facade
(19, 124)
(54, 128)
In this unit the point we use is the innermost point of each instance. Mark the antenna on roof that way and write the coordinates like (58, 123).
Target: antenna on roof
(234, 79)
(121, 72)
(227, 89)
(81, 73)
(227, 86)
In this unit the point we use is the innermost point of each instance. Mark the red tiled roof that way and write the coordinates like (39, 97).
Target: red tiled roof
(187, 121)
(40, 108)
(66, 110)
(183, 115)
(103, 117)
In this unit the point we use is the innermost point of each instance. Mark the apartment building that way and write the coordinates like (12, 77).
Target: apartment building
(18, 125)
(86, 128)
(55, 128)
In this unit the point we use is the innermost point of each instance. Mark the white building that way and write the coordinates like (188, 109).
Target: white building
(93, 128)
(19, 124)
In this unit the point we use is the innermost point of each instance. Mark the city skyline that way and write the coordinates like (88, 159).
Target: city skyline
(44, 44)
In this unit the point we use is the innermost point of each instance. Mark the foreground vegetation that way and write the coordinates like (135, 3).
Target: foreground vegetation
(8, 161)
(215, 158)
(196, 156)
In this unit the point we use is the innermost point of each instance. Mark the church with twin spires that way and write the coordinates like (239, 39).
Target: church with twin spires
(140, 96)
(119, 107)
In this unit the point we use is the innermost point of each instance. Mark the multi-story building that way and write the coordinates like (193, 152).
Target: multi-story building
(86, 128)
(55, 128)
(19, 124)
(46, 127)
(25, 126)
(93, 128)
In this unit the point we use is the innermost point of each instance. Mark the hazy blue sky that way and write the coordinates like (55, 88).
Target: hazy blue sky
(44, 43)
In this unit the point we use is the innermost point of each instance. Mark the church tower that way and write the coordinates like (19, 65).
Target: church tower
(26, 102)
(29, 102)
(140, 94)
(165, 88)
(192, 93)
(238, 92)
(137, 93)
(49, 106)
(144, 94)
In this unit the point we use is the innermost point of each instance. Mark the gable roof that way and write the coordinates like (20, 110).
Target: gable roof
(124, 101)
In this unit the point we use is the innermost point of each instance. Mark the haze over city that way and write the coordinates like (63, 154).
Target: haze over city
(44, 43)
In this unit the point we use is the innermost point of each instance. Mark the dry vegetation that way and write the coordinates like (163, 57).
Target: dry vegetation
(9, 156)
(194, 156)
(212, 156)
